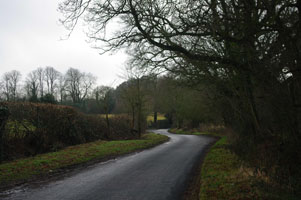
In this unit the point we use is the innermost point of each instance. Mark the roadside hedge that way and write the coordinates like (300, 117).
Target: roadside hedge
(34, 128)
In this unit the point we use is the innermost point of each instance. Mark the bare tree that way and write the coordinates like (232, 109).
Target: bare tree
(10, 82)
(6, 85)
(1, 90)
(78, 84)
(51, 77)
(32, 85)
(40, 74)
(88, 81)
(104, 96)
(134, 97)
(15, 79)
(237, 44)
(61, 88)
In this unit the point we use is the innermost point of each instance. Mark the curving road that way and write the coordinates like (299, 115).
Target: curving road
(158, 173)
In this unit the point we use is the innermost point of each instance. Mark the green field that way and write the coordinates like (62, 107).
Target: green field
(150, 118)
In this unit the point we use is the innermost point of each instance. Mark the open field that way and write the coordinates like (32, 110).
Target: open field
(150, 118)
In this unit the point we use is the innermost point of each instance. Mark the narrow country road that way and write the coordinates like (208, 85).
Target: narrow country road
(155, 174)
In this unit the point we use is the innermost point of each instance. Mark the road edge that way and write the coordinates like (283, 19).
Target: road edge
(69, 170)
(193, 183)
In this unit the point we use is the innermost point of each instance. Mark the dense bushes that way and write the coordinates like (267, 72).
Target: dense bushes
(36, 128)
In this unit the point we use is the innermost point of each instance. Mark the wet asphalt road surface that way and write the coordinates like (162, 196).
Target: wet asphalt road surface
(160, 173)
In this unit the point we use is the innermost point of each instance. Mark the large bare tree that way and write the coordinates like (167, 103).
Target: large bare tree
(78, 84)
(250, 50)
(32, 85)
(51, 77)
(62, 88)
(104, 97)
(40, 74)
(10, 84)
(241, 43)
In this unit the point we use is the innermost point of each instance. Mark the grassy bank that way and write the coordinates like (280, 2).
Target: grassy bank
(25, 169)
(222, 176)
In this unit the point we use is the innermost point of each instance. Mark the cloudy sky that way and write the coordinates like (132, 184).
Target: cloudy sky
(30, 37)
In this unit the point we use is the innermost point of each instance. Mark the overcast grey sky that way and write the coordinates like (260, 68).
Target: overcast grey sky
(30, 38)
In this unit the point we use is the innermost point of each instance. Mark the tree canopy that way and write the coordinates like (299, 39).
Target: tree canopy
(247, 51)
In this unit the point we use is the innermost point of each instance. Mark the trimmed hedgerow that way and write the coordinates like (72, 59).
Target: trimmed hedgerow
(34, 128)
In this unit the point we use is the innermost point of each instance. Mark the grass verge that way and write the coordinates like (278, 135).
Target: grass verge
(22, 170)
(220, 176)
(223, 177)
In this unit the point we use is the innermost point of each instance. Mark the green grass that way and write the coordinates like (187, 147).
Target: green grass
(18, 129)
(222, 176)
(28, 168)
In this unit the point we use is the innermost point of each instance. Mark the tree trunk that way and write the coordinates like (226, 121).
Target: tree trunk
(155, 118)
(4, 114)
(108, 123)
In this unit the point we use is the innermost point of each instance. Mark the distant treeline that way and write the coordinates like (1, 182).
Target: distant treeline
(37, 123)
(138, 96)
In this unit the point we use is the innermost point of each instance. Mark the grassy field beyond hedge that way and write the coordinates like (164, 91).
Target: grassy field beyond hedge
(25, 169)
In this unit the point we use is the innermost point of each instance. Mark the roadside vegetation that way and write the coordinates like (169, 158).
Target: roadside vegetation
(223, 175)
(234, 63)
(25, 169)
